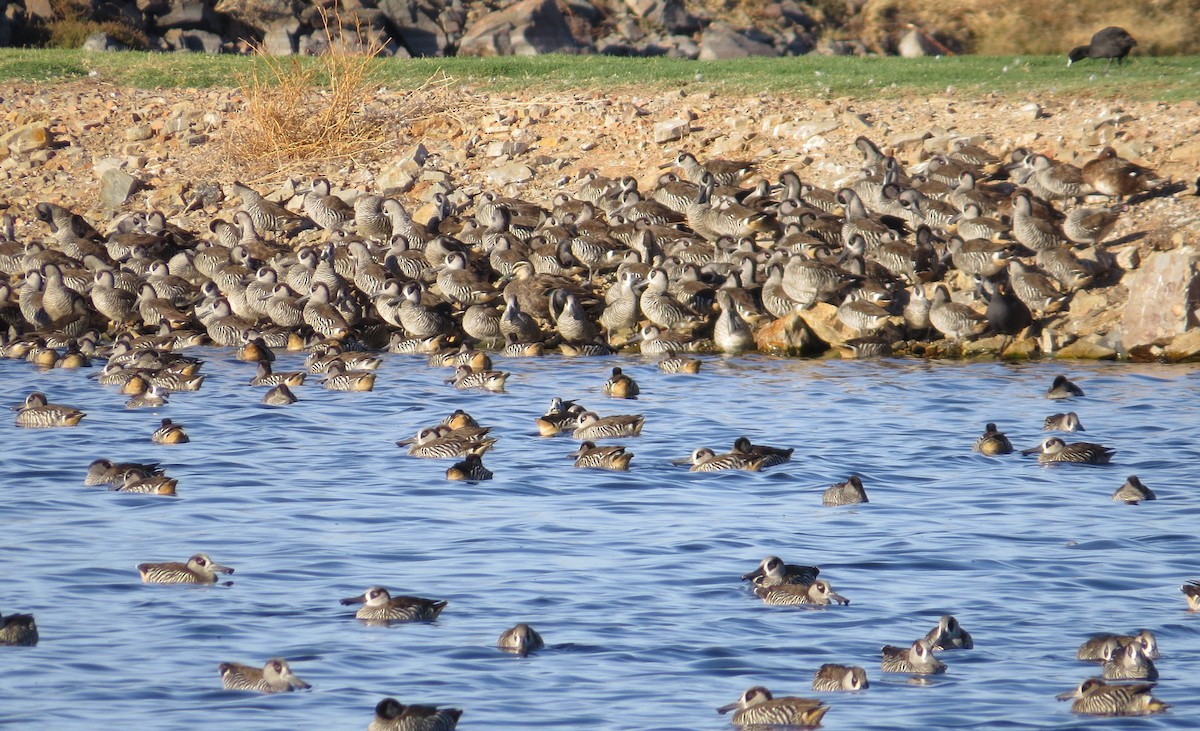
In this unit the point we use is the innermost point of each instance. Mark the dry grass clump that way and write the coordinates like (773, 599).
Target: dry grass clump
(991, 27)
(74, 20)
(310, 109)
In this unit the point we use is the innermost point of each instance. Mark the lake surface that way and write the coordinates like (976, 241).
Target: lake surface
(632, 579)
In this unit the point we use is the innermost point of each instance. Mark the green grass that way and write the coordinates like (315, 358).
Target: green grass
(1172, 78)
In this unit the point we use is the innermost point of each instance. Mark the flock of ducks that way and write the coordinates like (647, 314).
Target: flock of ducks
(966, 243)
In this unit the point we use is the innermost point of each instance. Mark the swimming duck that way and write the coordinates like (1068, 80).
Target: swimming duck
(1129, 662)
(850, 492)
(1101, 647)
(18, 629)
(770, 456)
(819, 593)
(471, 469)
(153, 485)
(706, 460)
(487, 380)
(339, 378)
(38, 413)
(391, 715)
(916, 659)
(772, 571)
(758, 708)
(589, 456)
(591, 427)
(1063, 422)
(281, 395)
(380, 606)
(1055, 450)
(832, 678)
(949, 635)
(619, 385)
(199, 569)
(1133, 491)
(266, 376)
(676, 364)
(169, 432)
(445, 443)
(1094, 697)
(560, 416)
(993, 442)
(274, 677)
(1063, 388)
(107, 472)
(1191, 590)
(153, 398)
(521, 639)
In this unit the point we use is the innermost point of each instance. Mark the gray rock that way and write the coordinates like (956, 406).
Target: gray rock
(513, 172)
(1162, 295)
(720, 40)
(527, 28)
(101, 42)
(417, 25)
(116, 186)
(199, 41)
(40, 9)
(189, 15)
(669, 14)
(26, 138)
(670, 130)
(280, 38)
(262, 14)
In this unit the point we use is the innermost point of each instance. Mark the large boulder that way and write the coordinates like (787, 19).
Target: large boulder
(721, 40)
(528, 28)
(417, 25)
(1163, 296)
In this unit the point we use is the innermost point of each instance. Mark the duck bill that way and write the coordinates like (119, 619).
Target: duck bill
(361, 598)
(297, 683)
(1032, 450)
(756, 573)
(1069, 695)
(838, 598)
(684, 463)
(729, 707)
(221, 569)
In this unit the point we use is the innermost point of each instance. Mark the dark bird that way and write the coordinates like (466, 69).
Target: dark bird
(1112, 43)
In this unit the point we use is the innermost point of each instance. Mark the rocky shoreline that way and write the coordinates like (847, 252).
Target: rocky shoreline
(107, 154)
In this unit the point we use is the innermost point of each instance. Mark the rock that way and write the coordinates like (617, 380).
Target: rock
(671, 15)
(670, 130)
(199, 41)
(513, 172)
(138, 132)
(261, 14)
(116, 186)
(822, 319)
(1030, 111)
(721, 40)
(1022, 349)
(187, 14)
(26, 139)
(1185, 346)
(1161, 298)
(102, 42)
(417, 25)
(909, 140)
(786, 336)
(1088, 347)
(280, 38)
(528, 28)
(915, 44)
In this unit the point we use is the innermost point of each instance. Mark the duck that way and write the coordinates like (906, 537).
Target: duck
(949, 635)
(1063, 422)
(993, 442)
(39, 413)
(916, 659)
(18, 630)
(1094, 697)
(770, 456)
(833, 678)
(266, 376)
(470, 469)
(281, 395)
(818, 593)
(274, 677)
(591, 427)
(772, 571)
(1055, 450)
(1191, 590)
(107, 472)
(590, 456)
(154, 397)
(1062, 388)
(1133, 491)
(445, 443)
(520, 639)
(199, 569)
(169, 432)
(1100, 647)
(758, 708)
(486, 380)
(381, 606)
(704, 459)
(1112, 176)
(154, 485)
(850, 492)
(392, 715)
(1129, 662)
(620, 385)
(672, 363)
(339, 378)
(559, 417)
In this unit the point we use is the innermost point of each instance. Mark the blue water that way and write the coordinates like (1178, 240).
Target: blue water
(631, 578)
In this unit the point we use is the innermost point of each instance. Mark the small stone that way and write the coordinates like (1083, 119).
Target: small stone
(908, 140)
(26, 138)
(1088, 347)
(138, 132)
(1031, 111)
(513, 172)
(670, 131)
(857, 122)
(786, 336)
(116, 186)
(1185, 346)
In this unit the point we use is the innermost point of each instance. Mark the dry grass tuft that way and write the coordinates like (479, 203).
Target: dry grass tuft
(310, 109)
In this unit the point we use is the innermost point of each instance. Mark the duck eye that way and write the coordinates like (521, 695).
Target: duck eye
(278, 666)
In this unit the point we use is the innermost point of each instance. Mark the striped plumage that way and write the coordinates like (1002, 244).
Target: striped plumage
(591, 427)
(18, 629)
(266, 376)
(993, 442)
(1094, 697)
(949, 635)
(169, 432)
(153, 398)
(850, 492)
(521, 639)
(38, 413)
(274, 677)
(758, 708)
(620, 385)
(1055, 450)
(769, 456)
(281, 395)
(107, 472)
(833, 678)
(1129, 662)
(391, 715)
(199, 569)
(677, 364)
(445, 443)
(1101, 647)
(1191, 591)
(772, 571)
(818, 593)
(916, 659)
(338, 378)
(470, 469)
(379, 605)
(589, 456)
(1132, 491)
(153, 485)
(487, 380)
(704, 459)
